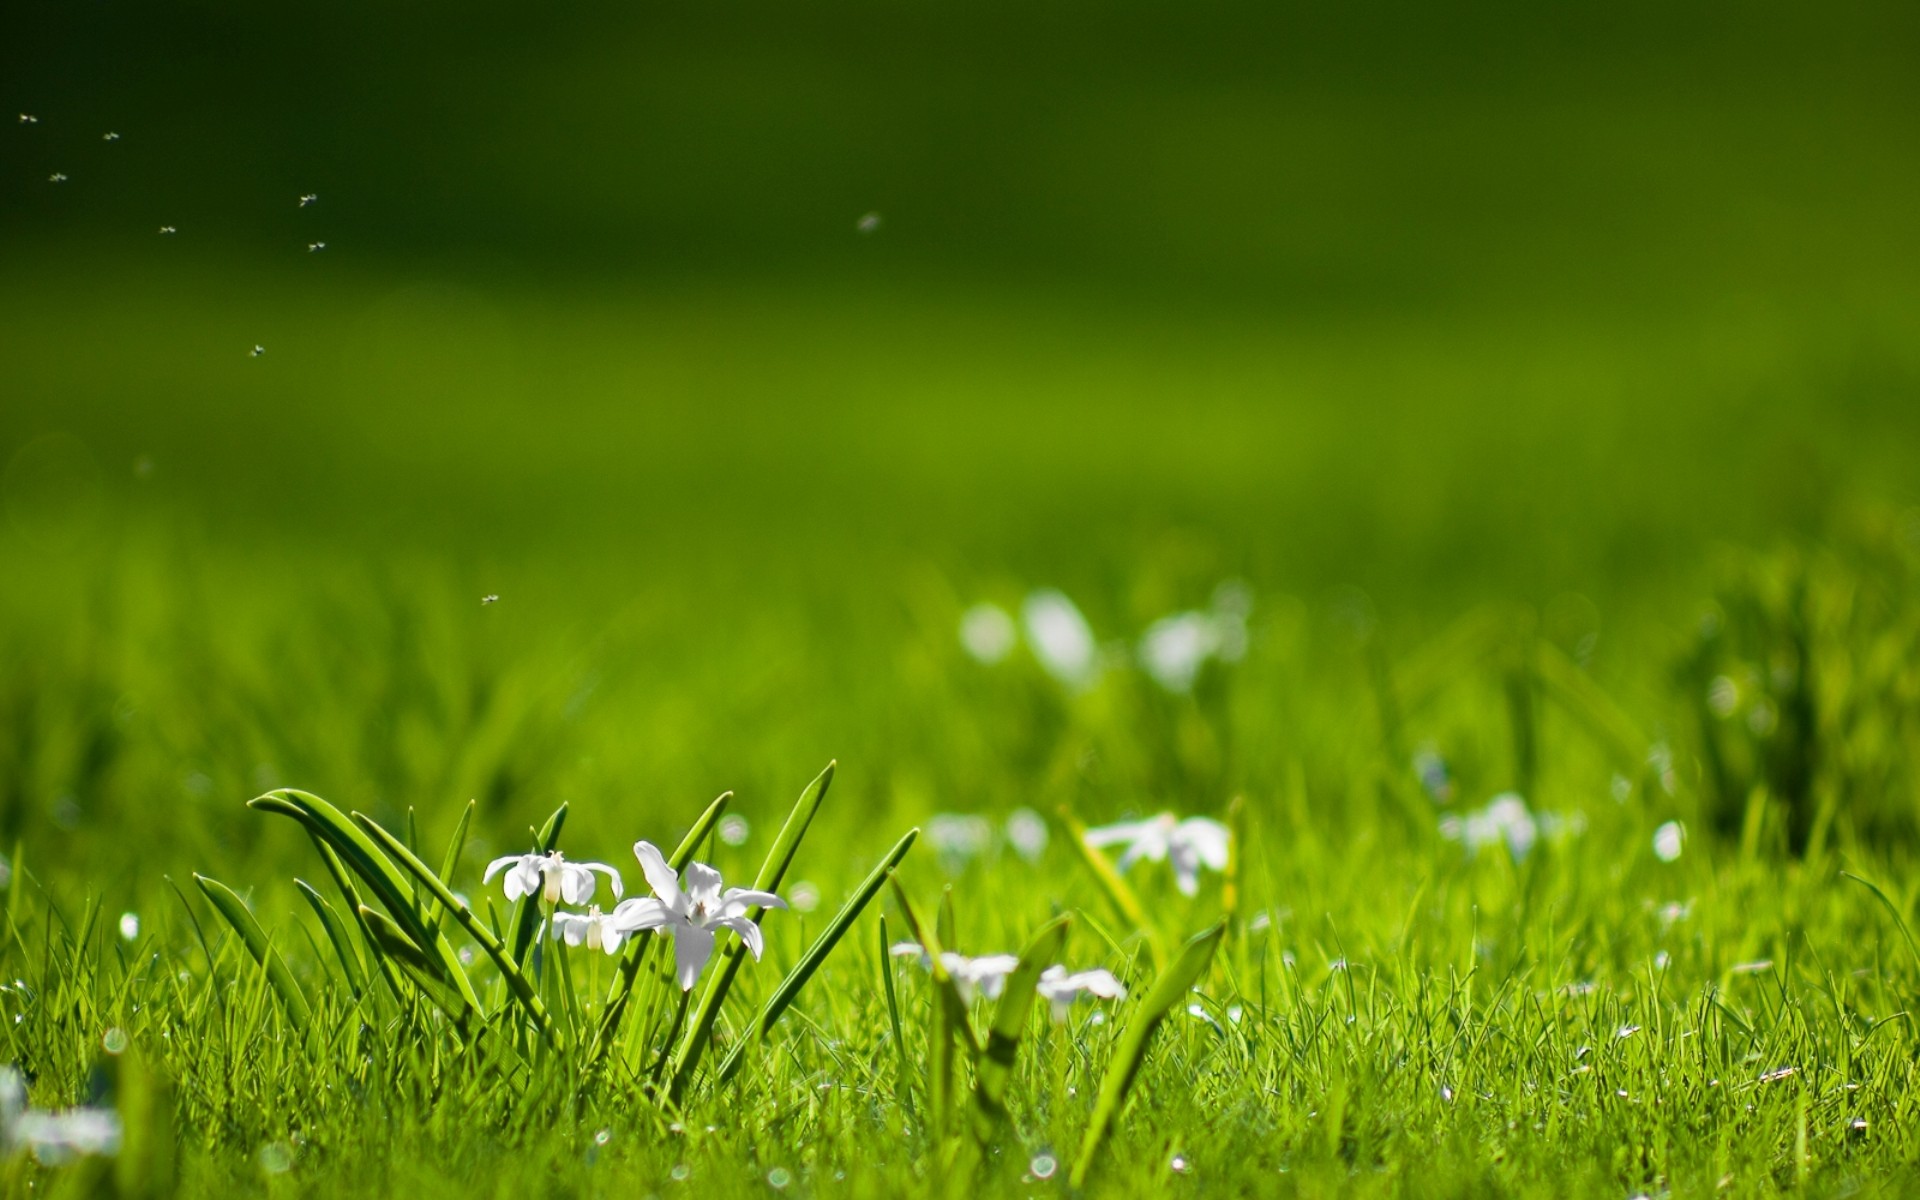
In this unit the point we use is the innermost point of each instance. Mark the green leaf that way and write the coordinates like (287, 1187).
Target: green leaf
(414, 963)
(517, 983)
(771, 873)
(452, 858)
(789, 989)
(260, 946)
(350, 964)
(388, 884)
(995, 1069)
(1118, 893)
(1168, 990)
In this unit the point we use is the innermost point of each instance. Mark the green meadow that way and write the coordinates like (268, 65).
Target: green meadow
(1474, 446)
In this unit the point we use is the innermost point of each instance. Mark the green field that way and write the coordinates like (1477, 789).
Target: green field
(1545, 385)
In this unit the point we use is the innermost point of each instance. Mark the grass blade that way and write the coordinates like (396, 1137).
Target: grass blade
(260, 946)
(350, 964)
(517, 983)
(414, 963)
(779, 858)
(452, 858)
(526, 911)
(995, 1069)
(1169, 988)
(789, 989)
(1117, 890)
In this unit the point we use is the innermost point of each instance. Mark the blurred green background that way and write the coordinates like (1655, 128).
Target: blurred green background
(1446, 303)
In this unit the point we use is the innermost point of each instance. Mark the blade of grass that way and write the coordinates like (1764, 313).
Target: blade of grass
(350, 964)
(1116, 889)
(258, 944)
(1169, 988)
(452, 857)
(789, 989)
(414, 963)
(995, 1069)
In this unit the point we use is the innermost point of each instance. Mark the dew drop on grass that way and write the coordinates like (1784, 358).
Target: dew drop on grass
(804, 897)
(734, 829)
(275, 1158)
(680, 1172)
(114, 1041)
(1179, 1165)
(779, 1178)
(1043, 1166)
(603, 1137)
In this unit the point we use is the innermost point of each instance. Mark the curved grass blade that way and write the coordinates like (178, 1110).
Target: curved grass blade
(636, 955)
(947, 1021)
(414, 963)
(388, 884)
(1169, 988)
(789, 989)
(260, 946)
(517, 983)
(350, 964)
(995, 1069)
(779, 858)
(452, 858)
(1118, 893)
(351, 895)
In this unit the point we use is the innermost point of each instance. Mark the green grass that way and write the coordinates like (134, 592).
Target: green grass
(1551, 382)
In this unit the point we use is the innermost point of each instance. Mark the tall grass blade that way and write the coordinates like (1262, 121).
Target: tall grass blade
(1010, 1018)
(451, 859)
(350, 964)
(230, 906)
(414, 963)
(1118, 893)
(789, 989)
(1169, 988)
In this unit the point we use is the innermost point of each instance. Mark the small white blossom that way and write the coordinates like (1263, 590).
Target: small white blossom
(552, 876)
(1187, 845)
(54, 1137)
(1061, 638)
(692, 915)
(1027, 832)
(987, 632)
(1669, 841)
(957, 837)
(593, 929)
(986, 975)
(1175, 648)
(1061, 988)
(1505, 820)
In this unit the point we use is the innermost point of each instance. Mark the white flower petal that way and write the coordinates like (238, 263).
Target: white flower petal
(660, 876)
(692, 947)
(703, 884)
(748, 931)
(641, 912)
(738, 900)
(498, 865)
(1209, 839)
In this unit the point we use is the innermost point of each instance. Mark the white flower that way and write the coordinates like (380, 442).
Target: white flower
(55, 1137)
(1187, 845)
(1061, 638)
(552, 876)
(1027, 832)
(987, 632)
(692, 915)
(1669, 840)
(957, 837)
(593, 928)
(1061, 988)
(1175, 648)
(986, 975)
(1504, 819)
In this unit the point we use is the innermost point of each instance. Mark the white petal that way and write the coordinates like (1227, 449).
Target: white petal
(660, 876)
(1099, 982)
(739, 900)
(703, 884)
(611, 937)
(1186, 870)
(499, 864)
(692, 947)
(613, 877)
(576, 883)
(631, 916)
(748, 931)
(570, 928)
(1125, 831)
(1208, 839)
(524, 878)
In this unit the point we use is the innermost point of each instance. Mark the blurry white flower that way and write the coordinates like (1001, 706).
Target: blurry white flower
(986, 975)
(594, 929)
(1027, 832)
(54, 1137)
(551, 875)
(734, 829)
(130, 926)
(1505, 820)
(693, 915)
(1061, 638)
(805, 896)
(957, 837)
(868, 222)
(1062, 989)
(987, 632)
(1669, 840)
(1187, 845)
(1175, 648)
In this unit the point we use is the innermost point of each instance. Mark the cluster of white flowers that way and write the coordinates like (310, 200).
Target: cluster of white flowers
(987, 976)
(1506, 820)
(54, 1137)
(692, 914)
(958, 837)
(1187, 845)
(1171, 651)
